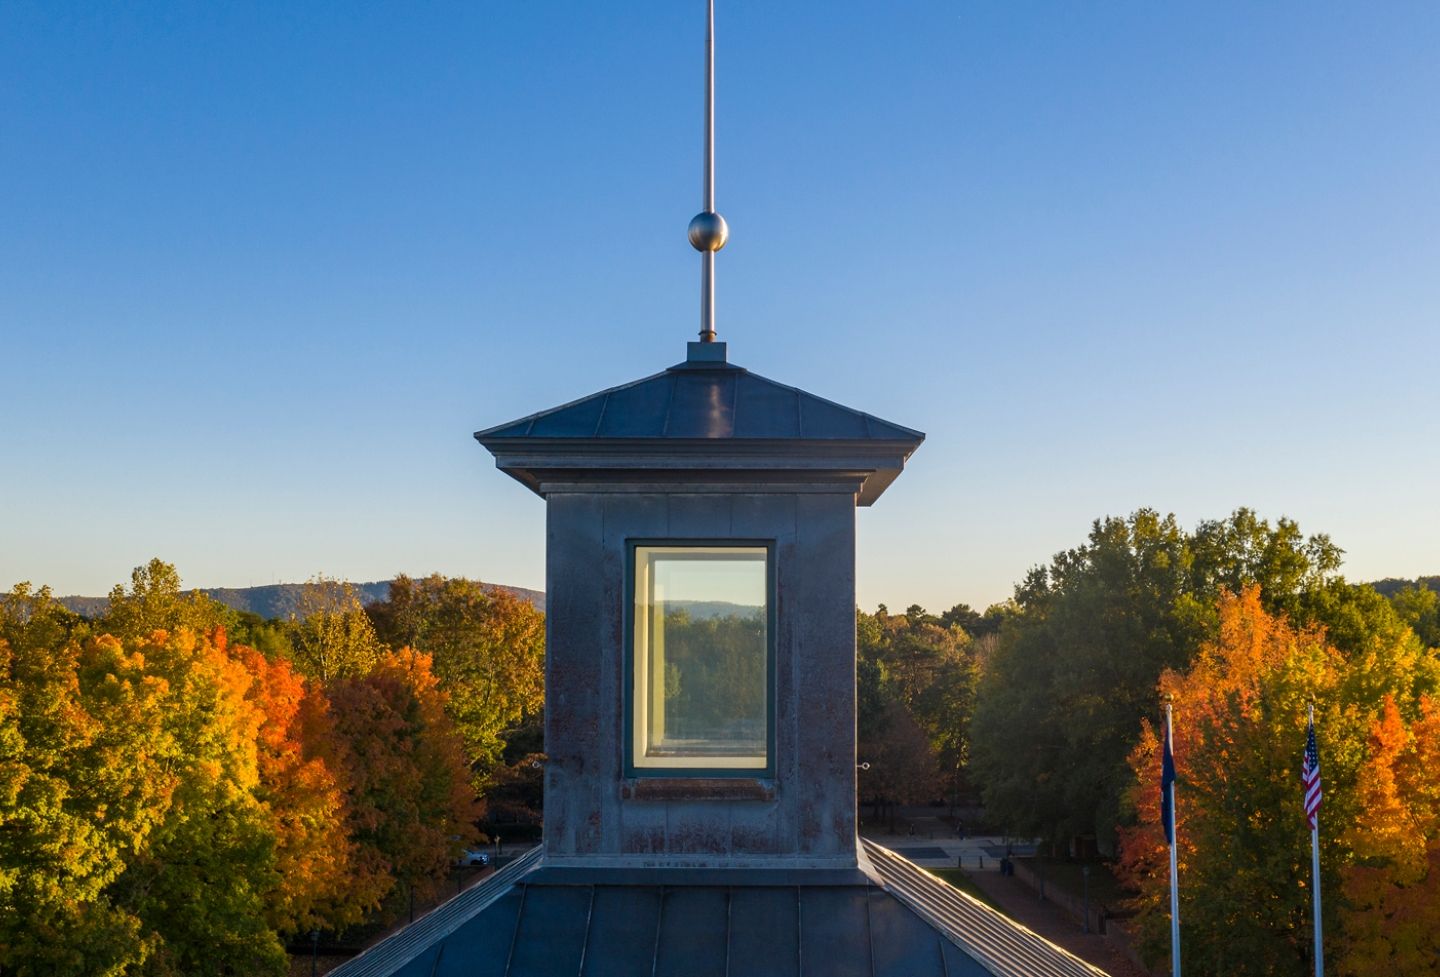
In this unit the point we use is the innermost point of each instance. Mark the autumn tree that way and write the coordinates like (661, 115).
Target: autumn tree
(330, 633)
(83, 786)
(304, 797)
(1077, 660)
(488, 652)
(154, 601)
(408, 793)
(171, 803)
(1392, 891)
(201, 881)
(1240, 711)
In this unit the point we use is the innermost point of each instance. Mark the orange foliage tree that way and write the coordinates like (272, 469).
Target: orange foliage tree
(1393, 890)
(409, 801)
(304, 795)
(1244, 849)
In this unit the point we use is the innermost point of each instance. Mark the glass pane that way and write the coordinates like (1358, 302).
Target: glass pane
(701, 656)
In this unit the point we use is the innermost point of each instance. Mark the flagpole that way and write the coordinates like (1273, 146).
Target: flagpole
(1315, 872)
(1174, 873)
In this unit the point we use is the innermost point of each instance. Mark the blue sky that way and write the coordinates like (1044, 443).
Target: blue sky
(265, 267)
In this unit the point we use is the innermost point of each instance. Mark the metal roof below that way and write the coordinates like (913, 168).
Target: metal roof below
(907, 924)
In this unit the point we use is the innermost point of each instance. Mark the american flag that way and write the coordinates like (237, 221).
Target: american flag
(1310, 775)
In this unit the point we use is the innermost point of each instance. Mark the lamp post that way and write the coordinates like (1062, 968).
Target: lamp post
(1085, 888)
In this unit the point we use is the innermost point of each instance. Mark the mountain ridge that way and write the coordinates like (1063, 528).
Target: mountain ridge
(280, 600)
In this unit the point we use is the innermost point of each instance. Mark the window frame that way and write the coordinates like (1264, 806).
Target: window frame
(628, 704)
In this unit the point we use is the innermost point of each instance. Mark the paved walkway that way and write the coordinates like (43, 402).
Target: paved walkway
(938, 847)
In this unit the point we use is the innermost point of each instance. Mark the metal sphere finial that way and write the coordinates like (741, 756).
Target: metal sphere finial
(708, 231)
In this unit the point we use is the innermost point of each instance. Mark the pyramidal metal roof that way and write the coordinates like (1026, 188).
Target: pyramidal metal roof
(703, 415)
(700, 400)
(896, 921)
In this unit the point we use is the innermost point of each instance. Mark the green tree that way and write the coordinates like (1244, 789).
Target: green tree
(82, 788)
(1077, 661)
(154, 601)
(1419, 607)
(488, 650)
(330, 633)
(916, 679)
(269, 637)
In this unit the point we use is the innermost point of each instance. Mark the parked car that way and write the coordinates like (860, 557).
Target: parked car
(472, 857)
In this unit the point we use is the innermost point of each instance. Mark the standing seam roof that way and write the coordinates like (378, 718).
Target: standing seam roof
(710, 403)
(911, 925)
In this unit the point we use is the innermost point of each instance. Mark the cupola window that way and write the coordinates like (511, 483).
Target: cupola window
(701, 695)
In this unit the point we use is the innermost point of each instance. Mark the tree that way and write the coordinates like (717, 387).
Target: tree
(170, 802)
(304, 797)
(202, 880)
(409, 801)
(82, 788)
(330, 633)
(488, 650)
(1419, 607)
(1244, 853)
(1392, 891)
(902, 767)
(155, 602)
(1090, 634)
(915, 686)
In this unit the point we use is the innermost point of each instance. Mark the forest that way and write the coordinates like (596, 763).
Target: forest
(185, 789)
(1046, 711)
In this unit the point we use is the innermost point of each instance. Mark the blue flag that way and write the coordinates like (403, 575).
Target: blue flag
(1167, 785)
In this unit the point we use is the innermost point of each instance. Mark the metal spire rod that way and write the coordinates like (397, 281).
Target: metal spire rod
(708, 192)
(708, 231)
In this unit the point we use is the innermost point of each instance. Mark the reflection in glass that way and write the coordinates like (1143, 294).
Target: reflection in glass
(701, 656)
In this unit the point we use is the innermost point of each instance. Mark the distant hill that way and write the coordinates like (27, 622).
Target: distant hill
(280, 600)
(1391, 586)
(704, 610)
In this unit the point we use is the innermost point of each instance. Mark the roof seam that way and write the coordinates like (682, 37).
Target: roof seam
(734, 406)
(799, 932)
(600, 421)
(729, 905)
(589, 919)
(870, 928)
(659, 924)
(515, 933)
(669, 406)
